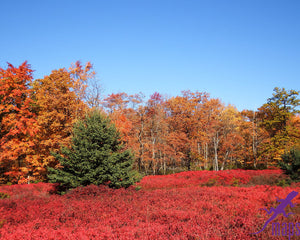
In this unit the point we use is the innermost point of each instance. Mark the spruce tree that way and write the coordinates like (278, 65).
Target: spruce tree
(290, 164)
(96, 157)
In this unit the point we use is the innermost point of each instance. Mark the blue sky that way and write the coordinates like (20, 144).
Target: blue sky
(237, 51)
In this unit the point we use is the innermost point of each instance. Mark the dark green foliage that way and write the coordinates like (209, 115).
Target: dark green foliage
(291, 164)
(96, 157)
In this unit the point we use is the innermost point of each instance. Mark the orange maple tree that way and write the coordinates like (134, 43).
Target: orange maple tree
(17, 124)
(59, 100)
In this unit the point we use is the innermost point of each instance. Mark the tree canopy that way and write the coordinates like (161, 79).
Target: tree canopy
(191, 131)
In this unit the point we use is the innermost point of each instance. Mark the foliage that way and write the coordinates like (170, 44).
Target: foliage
(157, 211)
(276, 116)
(291, 164)
(58, 104)
(17, 124)
(279, 109)
(237, 177)
(190, 131)
(96, 156)
(195, 132)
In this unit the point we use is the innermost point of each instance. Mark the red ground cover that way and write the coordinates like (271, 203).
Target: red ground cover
(188, 205)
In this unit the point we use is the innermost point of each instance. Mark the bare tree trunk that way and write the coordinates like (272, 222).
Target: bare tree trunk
(153, 152)
(164, 158)
(225, 159)
(206, 156)
(141, 147)
(199, 153)
(216, 141)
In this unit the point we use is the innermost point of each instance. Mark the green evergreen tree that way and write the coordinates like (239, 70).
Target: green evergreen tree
(290, 164)
(96, 157)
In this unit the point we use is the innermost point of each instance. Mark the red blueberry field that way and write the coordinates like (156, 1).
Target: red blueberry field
(187, 205)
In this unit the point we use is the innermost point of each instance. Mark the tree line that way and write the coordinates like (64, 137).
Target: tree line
(166, 134)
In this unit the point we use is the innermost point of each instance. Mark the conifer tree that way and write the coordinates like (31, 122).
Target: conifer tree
(96, 156)
(290, 164)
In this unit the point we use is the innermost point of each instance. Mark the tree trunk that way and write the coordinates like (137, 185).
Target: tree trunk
(205, 155)
(254, 141)
(225, 159)
(216, 144)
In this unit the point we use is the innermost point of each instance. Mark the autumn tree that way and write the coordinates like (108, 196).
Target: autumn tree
(231, 141)
(138, 137)
(59, 100)
(127, 113)
(275, 115)
(212, 124)
(84, 86)
(185, 121)
(293, 131)
(156, 133)
(254, 137)
(17, 124)
(279, 109)
(116, 102)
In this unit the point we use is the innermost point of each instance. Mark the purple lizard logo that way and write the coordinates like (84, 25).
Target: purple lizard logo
(280, 209)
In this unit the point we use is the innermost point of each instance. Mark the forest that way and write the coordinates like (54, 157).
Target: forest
(191, 131)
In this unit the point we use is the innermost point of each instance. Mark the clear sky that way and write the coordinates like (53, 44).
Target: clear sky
(236, 50)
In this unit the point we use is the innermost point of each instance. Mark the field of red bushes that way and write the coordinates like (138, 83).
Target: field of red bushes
(187, 205)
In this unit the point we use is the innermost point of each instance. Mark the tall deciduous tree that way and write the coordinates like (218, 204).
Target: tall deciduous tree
(254, 137)
(213, 109)
(185, 121)
(231, 138)
(59, 100)
(275, 115)
(17, 124)
(156, 125)
(278, 110)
